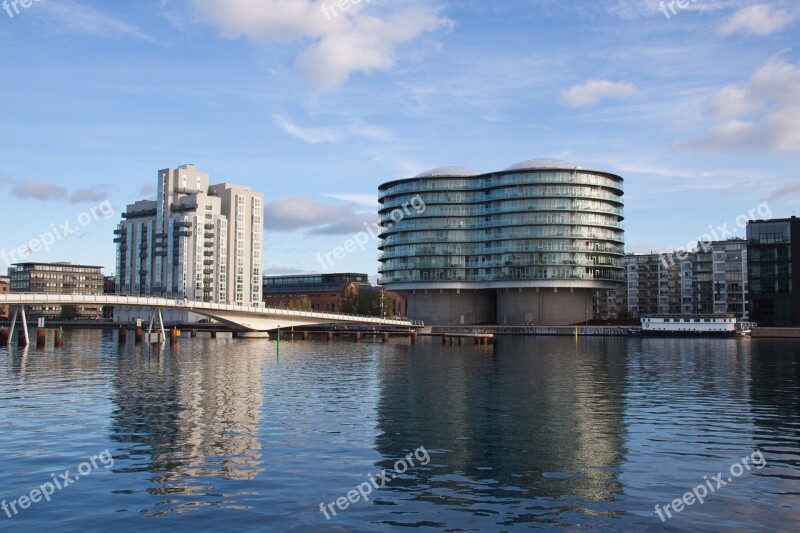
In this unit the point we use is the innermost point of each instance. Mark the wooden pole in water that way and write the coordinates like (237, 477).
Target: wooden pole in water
(4, 336)
(41, 337)
(278, 348)
(59, 340)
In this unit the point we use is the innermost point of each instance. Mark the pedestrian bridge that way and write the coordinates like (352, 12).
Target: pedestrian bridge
(239, 317)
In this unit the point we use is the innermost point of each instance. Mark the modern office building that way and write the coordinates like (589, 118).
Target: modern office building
(58, 278)
(196, 241)
(527, 244)
(773, 269)
(5, 287)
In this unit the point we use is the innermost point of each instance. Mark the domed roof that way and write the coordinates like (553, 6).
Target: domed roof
(455, 172)
(535, 164)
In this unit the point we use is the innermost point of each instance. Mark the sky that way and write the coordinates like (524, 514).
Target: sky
(316, 103)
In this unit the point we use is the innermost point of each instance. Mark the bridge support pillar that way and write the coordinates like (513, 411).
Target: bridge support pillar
(194, 333)
(123, 334)
(162, 338)
(329, 335)
(385, 336)
(305, 335)
(214, 334)
(414, 337)
(357, 336)
(22, 338)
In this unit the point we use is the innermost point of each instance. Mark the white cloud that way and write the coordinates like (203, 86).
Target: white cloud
(758, 19)
(355, 128)
(309, 135)
(363, 199)
(89, 195)
(591, 92)
(301, 212)
(763, 113)
(342, 42)
(30, 190)
(88, 20)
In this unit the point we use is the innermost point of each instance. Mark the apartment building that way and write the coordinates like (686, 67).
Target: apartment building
(196, 241)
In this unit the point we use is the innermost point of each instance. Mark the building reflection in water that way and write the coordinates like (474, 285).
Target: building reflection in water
(528, 418)
(189, 414)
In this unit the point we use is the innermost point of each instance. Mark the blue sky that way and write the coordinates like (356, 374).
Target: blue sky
(698, 111)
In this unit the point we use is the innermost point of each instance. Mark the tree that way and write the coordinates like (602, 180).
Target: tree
(349, 303)
(388, 304)
(69, 312)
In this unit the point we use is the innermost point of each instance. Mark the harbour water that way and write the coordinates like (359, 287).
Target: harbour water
(528, 433)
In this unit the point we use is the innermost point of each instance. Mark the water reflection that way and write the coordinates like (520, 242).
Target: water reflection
(189, 416)
(507, 423)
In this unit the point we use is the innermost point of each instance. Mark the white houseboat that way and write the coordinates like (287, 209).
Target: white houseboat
(718, 325)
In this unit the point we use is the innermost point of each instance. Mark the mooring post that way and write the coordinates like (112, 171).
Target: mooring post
(59, 340)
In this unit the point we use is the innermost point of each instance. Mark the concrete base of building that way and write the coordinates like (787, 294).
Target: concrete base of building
(451, 306)
(517, 306)
(546, 306)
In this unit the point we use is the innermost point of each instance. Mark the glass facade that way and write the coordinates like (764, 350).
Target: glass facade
(774, 272)
(527, 226)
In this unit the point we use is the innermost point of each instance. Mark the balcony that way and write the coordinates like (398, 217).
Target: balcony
(179, 208)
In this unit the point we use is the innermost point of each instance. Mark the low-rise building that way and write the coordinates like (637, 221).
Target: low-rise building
(5, 287)
(322, 291)
(58, 278)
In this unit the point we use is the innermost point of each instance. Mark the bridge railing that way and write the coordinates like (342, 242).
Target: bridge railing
(190, 305)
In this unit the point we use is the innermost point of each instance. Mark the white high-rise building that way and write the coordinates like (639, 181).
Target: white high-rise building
(195, 241)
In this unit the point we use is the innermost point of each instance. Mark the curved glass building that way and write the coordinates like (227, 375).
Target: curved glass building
(528, 244)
